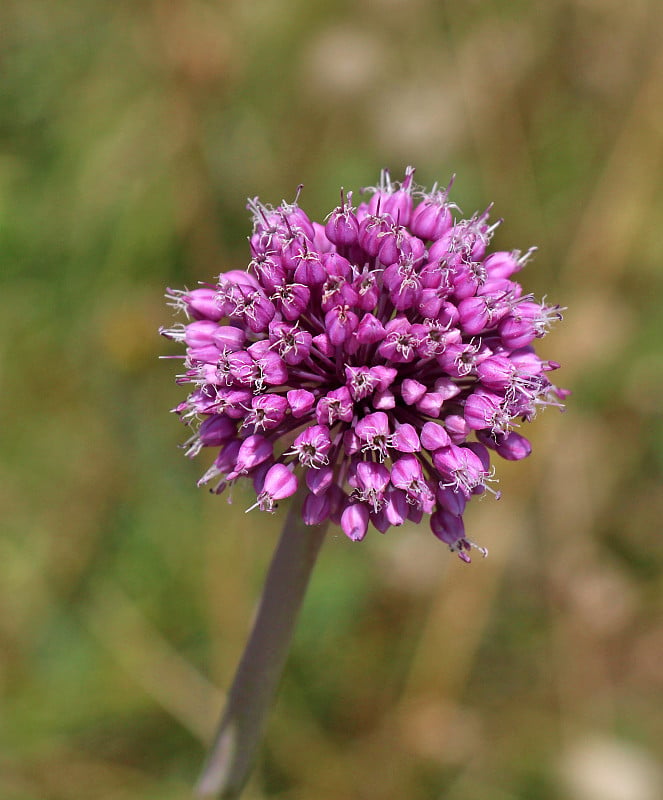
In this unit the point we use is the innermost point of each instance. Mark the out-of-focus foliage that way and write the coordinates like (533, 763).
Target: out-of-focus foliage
(131, 134)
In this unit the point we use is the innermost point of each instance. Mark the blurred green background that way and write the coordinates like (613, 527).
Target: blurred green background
(131, 134)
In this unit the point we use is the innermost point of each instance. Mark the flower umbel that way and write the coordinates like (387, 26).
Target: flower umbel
(379, 359)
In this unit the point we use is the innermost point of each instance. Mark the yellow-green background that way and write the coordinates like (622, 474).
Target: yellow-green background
(131, 133)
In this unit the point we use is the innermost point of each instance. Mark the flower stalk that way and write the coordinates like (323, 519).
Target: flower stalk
(240, 730)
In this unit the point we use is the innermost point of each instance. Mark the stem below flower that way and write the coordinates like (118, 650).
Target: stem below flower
(234, 747)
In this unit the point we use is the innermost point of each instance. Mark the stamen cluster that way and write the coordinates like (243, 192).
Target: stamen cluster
(379, 359)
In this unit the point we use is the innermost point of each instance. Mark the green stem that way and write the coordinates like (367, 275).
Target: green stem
(240, 731)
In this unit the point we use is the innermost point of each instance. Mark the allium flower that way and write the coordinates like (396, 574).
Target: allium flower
(376, 360)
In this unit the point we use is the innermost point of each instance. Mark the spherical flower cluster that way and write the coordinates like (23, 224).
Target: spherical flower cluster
(378, 359)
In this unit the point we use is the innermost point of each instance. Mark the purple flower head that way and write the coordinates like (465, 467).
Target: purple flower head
(376, 361)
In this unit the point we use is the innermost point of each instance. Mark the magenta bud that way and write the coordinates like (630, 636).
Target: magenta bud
(205, 355)
(309, 269)
(371, 230)
(474, 315)
(457, 428)
(503, 264)
(270, 271)
(448, 315)
(257, 311)
(412, 391)
(434, 436)
(429, 303)
(440, 250)
(373, 425)
(316, 509)
(407, 475)
(340, 324)
(459, 360)
(253, 451)
(337, 266)
(385, 376)
(447, 527)
(222, 465)
(517, 332)
(216, 430)
(431, 218)
(432, 339)
(196, 334)
(405, 296)
(203, 303)
(468, 280)
(354, 521)
(257, 349)
(291, 251)
(279, 482)
(430, 404)
(500, 294)
(342, 227)
(395, 198)
(229, 337)
(301, 401)
(405, 438)
(389, 250)
(513, 447)
(526, 362)
(273, 369)
(324, 345)
(369, 330)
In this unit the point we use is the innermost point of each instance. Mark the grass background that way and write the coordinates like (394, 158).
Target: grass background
(131, 134)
